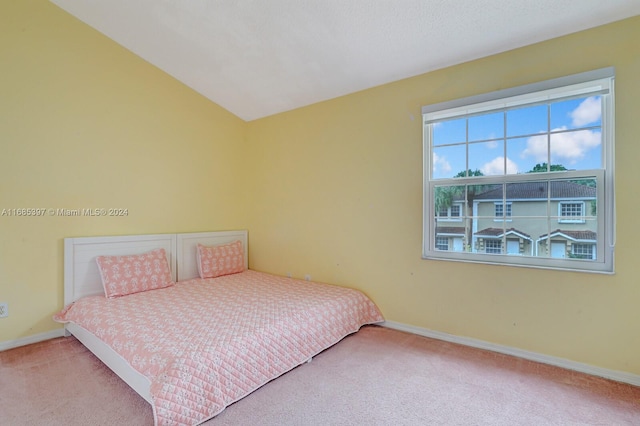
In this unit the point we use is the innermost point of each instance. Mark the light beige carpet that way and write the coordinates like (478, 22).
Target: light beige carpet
(377, 376)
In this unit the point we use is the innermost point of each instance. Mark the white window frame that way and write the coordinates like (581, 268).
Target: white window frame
(438, 244)
(492, 241)
(458, 216)
(593, 249)
(505, 206)
(450, 217)
(599, 82)
(571, 219)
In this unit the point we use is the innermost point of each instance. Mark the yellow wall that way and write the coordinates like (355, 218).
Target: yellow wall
(86, 123)
(333, 190)
(337, 193)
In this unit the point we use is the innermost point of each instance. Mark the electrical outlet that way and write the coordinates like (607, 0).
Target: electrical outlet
(4, 310)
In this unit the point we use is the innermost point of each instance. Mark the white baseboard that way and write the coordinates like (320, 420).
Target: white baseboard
(35, 338)
(619, 376)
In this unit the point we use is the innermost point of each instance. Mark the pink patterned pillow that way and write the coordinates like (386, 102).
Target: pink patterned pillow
(220, 260)
(122, 275)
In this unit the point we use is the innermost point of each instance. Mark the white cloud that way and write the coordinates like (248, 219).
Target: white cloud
(566, 148)
(589, 111)
(573, 146)
(569, 147)
(536, 148)
(496, 167)
(440, 165)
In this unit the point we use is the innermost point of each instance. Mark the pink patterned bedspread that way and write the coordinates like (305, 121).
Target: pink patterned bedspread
(205, 344)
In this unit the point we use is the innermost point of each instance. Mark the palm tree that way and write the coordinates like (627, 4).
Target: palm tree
(444, 197)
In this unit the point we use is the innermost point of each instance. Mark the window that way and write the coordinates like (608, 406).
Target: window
(452, 212)
(582, 251)
(535, 162)
(502, 210)
(494, 246)
(571, 212)
(442, 243)
(455, 210)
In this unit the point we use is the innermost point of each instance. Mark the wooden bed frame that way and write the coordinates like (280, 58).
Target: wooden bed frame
(82, 278)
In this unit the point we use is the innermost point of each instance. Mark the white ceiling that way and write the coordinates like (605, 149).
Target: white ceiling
(260, 57)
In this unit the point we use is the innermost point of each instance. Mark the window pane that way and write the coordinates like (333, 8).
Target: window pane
(492, 246)
(526, 215)
(571, 210)
(513, 247)
(527, 121)
(526, 231)
(575, 200)
(577, 150)
(483, 198)
(557, 248)
(591, 204)
(559, 243)
(533, 194)
(448, 160)
(502, 210)
(454, 232)
(543, 247)
(488, 157)
(523, 154)
(583, 251)
(447, 199)
(442, 243)
(485, 127)
(577, 113)
(451, 131)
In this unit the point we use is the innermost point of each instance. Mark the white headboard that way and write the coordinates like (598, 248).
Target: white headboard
(81, 275)
(187, 249)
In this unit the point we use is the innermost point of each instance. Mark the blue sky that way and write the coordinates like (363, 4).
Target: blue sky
(575, 143)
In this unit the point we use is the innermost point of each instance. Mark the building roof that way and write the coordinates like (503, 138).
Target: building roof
(573, 235)
(450, 230)
(538, 190)
(499, 232)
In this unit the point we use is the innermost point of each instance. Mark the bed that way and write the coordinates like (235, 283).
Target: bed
(196, 345)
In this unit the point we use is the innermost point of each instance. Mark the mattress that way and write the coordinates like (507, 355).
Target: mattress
(205, 343)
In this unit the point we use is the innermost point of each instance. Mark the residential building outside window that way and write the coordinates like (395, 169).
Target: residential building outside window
(523, 176)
